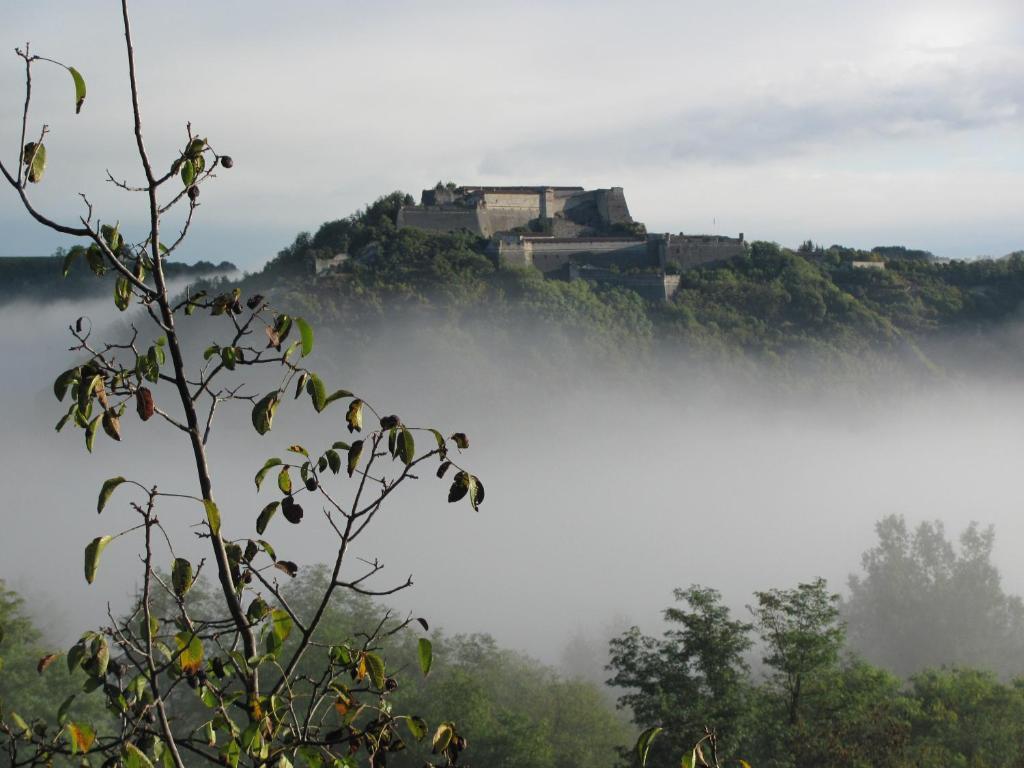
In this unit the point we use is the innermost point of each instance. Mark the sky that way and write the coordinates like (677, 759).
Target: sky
(863, 123)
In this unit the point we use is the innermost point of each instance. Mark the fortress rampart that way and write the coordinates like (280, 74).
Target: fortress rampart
(569, 232)
(486, 211)
(552, 253)
(688, 251)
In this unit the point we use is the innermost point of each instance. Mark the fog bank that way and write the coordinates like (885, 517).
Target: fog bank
(606, 486)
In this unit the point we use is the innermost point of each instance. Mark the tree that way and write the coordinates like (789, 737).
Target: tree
(922, 601)
(242, 660)
(694, 677)
(802, 639)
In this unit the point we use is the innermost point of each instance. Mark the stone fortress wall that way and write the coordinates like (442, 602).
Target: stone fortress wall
(688, 251)
(569, 232)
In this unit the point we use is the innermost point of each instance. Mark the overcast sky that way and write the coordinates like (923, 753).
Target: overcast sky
(863, 122)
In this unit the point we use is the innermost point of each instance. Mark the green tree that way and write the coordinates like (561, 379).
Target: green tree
(966, 717)
(694, 677)
(922, 602)
(802, 639)
(240, 660)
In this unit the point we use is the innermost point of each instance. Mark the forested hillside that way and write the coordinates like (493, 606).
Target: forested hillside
(790, 681)
(42, 278)
(773, 306)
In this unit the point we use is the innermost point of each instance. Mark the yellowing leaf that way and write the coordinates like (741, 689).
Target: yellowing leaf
(191, 648)
(82, 737)
(442, 737)
(46, 661)
(212, 516)
(354, 417)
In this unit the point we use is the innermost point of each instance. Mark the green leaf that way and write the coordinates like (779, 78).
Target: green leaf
(81, 736)
(90, 433)
(425, 652)
(94, 258)
(106, 491)
(417, 727)
(353, 456)
(354, 417)
(231, 754)
(263, 412)
(229, 355)
(375, 667)
(337, 395)
(122, 293)
(265, 515)
(306, 334)
(281, 624)
(257, 609)
(460, 440)
(92, 556)
(62, 711)
(284, 481)
(112, 236)
(212, 516)
(643, 744)
(188, 172)
(79, 88)
(133, 757)
(439, 439)
(64, 381)
(35, 158)
(333, 460)
(266, 468)
(69, 259)
(406, 447)
(181, 576)
(459, 487)
(20, 724)
(317, 392)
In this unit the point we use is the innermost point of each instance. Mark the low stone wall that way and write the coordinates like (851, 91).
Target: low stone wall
(651, 287)
(550, 254)
(442, 220)
(688, 251)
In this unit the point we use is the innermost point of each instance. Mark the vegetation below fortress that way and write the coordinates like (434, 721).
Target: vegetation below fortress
(787, 309)
(773, 305)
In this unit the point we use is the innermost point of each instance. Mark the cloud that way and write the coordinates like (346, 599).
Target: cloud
(857, 109)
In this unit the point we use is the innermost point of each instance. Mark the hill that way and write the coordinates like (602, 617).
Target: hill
(771, 305)
(38, 278)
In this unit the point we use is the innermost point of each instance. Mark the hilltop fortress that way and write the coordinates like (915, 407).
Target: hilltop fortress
(569, 233)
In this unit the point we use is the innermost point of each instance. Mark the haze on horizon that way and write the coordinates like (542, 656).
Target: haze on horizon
(865, 124)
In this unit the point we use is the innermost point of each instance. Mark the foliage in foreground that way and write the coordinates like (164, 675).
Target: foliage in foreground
(514, 710)
(242, 655)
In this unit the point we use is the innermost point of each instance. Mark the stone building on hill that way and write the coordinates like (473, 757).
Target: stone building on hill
(487, 211)
(570, 233)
